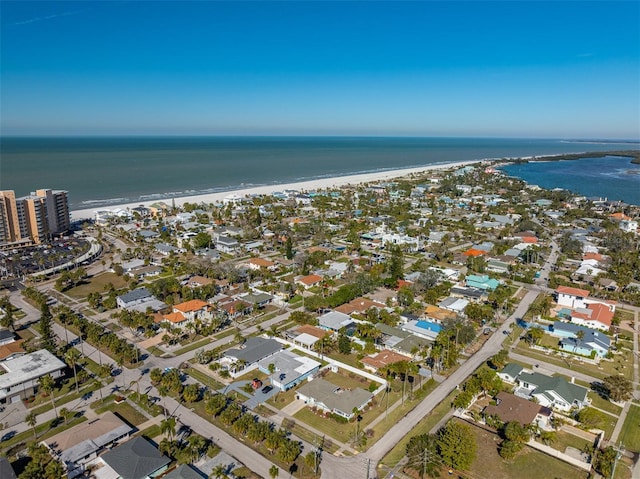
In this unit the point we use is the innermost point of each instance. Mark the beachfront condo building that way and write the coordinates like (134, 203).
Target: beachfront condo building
(32, 218)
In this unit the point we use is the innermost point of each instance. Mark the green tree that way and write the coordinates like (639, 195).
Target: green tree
(395, 266)
(274, 471)
(47, 338)
(191, 393)
(168, 426)
(31, 419)
(344, 344)
(72, 356)
(422, 455)
(288, 247)
(457, 445)
(604, 461)
(499, 360)
(47, 385)
(618, 388)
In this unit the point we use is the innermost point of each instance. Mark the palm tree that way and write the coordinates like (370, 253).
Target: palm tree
(168, 426)
(72, 356)
(31, 419)
(219, 472)
(47, 384)
(272, 370)
(64, 412)
(578, 340)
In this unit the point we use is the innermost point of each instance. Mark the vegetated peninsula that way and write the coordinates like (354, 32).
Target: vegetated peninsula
(633, 154)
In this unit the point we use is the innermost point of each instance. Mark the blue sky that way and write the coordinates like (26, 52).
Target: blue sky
(501, 69)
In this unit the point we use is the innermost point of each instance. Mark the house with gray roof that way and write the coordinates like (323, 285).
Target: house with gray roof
(592, 341)
(510, 372)
(82, 443)
(6, 471)
(241, 360)
(335, 321)
(139, 299)
(549, 391)
(135, 459)
(333, 399)
(290, 369)
(184, 471)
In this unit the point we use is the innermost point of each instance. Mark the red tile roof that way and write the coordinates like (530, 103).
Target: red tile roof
(193, 305)
(474, 252)
(572, 291)
(384, 358)
(310, 279)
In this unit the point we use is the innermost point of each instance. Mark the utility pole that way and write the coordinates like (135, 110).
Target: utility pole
(619, 452)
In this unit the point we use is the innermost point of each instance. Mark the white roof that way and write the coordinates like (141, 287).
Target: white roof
(29, 366)
(306, 339)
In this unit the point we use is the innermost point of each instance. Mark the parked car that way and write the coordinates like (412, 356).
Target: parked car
(266, 389)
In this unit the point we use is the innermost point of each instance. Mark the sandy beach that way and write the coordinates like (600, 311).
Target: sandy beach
(317, 184)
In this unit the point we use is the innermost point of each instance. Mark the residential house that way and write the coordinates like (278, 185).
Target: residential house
(185, 471)
(82, 443)
(423, 329)
(240, 360)
(307, 335)
(139, 299)
(6, 337)
(227, 245)
(20, 379)
(6, 471)
(482, 282)
(290, 369)
(309, 281)
(510, 373)
(592, 342)
(595, 316)
(578, 298)
(11, 350)
(335, 321)
(135, 459)
(509, 408)
(333, 399)
(399, 341)
(551, 391)
(381, 360)
(259, 263)
(258, 300)
(194, 309)
(359, 305)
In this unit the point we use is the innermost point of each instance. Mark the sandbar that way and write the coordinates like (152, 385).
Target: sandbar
(310, 185)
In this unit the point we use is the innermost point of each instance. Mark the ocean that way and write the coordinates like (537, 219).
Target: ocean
(611, 177)
(99, 171)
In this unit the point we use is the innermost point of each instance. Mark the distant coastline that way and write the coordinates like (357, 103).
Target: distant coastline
(633, 154)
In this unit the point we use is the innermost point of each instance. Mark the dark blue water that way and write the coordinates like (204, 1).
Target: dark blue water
(612, 177)
(108, 170)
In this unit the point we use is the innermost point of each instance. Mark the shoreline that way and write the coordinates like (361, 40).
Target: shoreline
(315, 184)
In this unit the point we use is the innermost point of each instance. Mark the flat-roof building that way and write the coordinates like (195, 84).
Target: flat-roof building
(22, 373)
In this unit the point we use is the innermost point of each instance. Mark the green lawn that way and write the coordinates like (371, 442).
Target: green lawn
(43, 430)
(528, 464)
(423, 427)
(151, 432)
(64, 396)
(564, 440)
(97, 283)
(604, 369)
(192, 346)
(205, 379)
(630, 434)
(125, 411)
(602, 403)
